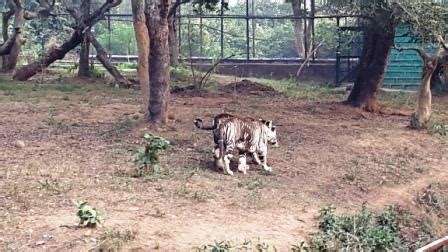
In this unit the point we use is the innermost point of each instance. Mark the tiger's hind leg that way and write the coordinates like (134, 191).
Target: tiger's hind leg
(242, 163)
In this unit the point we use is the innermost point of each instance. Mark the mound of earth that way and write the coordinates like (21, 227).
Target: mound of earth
(247, 87)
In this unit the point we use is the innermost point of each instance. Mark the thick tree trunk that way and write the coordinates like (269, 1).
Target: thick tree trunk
(159, 64)
(298, 27)
(372, 66)
(172, 39)
(84, 69)
(7, 44)
(142, 38)
(84, 53)
(102, 57)
(51, 56)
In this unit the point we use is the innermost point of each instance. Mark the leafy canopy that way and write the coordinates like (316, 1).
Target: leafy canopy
(426, 18)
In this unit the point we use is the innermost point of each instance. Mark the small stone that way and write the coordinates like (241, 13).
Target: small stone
(19, 144)
(38, 243)
(88, 232)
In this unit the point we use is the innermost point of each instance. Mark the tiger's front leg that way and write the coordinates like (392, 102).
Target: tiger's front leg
(227, 158)
(256, 158)
(263, 159)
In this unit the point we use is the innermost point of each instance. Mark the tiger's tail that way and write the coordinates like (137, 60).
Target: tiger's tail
(199, 124)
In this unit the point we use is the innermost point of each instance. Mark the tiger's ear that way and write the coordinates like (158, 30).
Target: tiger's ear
(269, 123)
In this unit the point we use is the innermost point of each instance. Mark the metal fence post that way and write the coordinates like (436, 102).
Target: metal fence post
(222, 28)
(247, 32)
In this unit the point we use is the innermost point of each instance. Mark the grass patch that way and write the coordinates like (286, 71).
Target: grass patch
(398, 99)
(308, 91)
(113, 240)
(439, 129)
(371, 231)
(364, 231)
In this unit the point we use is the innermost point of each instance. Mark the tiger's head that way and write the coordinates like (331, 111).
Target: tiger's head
(271, 132)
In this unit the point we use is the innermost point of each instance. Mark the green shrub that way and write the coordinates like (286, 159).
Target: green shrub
(88, 216)
(147, 159)
(363, 231)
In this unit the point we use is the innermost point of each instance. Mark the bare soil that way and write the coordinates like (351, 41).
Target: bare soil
(76, 148)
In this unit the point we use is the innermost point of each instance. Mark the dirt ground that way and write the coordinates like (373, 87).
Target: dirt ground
(77, 138)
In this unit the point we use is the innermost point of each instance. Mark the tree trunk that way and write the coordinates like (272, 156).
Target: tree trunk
(372, 66)
(421, 117)
(12, 58)
(159, 63)
(51, 56)
(84, 53)
(5, 23)
(102, 57)
(142, 38)
(172, 38)
(84, 70)
(298, 27)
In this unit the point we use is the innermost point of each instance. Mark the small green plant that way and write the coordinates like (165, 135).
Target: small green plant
(439, 129)
(247, 245)
(72, 69)
(88, 216)
(299, 247)
(147, 159)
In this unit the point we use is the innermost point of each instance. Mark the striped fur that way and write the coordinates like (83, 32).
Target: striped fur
(246, 135)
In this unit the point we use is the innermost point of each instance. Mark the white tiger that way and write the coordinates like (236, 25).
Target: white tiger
(246, 135)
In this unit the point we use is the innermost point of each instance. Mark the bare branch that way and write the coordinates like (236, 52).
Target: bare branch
(99, 13)
(442, 42)
(102, 57)
(176, 5)
(419, 50)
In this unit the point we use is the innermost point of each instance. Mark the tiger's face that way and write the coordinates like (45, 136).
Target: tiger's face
(271, 132)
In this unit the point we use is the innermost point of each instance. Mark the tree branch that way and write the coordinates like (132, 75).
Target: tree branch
(6, 47)
(419, 50)
(176, 5)
(442, 42)
(102, 57)
(99, 13)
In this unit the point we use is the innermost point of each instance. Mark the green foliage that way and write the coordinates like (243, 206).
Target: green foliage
(426, 18)
(363, 231)
(147, 159)
(120, 41)
(181, 72)
(439, 129)
(88, 216)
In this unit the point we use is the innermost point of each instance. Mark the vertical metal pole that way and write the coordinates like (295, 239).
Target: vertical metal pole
(108, 40)
(313, 11)
(247, 32)
(222, 29)
(201, 37)
(338, 52)
(305, 29)
(253, 29)
(179, 29)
